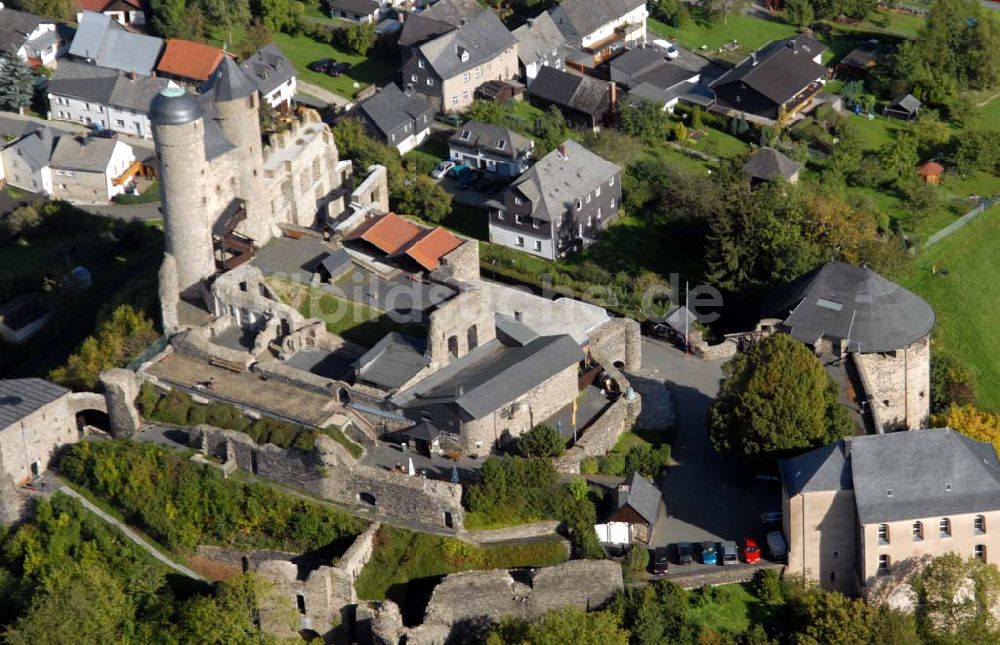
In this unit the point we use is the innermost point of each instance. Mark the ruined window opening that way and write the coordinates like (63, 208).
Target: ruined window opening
(453, 346)
(300, 601)
(472, 337)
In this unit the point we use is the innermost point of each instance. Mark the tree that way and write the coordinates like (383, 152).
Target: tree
(360, 38)
(680, 132)
(543, 441)
(851, 92)
(816, 616)
(281, 15)
(636, 561)
(423, 197)
(551, 130)
(574, 625)
(58, 9)
(720, 9)
(957, 599)
(775, 399)
(178, 19)
(645, 120)
(799, 12)
(899, 157)
(227, 15)
(952, 383)
(256, 37)
(21, 220)
(16, 83)
(981, 425)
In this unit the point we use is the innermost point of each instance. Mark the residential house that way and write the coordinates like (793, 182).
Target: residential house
(92, 95)
(438, 19)
(863, 58)
(559, 205)
(585, 102)
(26, 160)
(775, 82)
(31, 38)
(858, 509)
(539, 44)
(396, 118)
(768, 164)
(491, 147)
(124, 12)
(188, 62)
(274, 75)
(103, 42)
(22, 318)
(601, 27)
(449, 68)
(356, 11)
(90, 169)
(638, 508)
(905, 107)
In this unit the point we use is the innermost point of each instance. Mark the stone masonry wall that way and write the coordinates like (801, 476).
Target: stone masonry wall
(601, 436)
(454, 318)
(28, 445)
(900, 385)
(618, 339)
(121, 389)
(463, 262)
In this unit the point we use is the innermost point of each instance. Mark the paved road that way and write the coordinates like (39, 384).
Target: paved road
(129, 533)
(13, 124)
(323, 94)
(708, 496)
(126, 212)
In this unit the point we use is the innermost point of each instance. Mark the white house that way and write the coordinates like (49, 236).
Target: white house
(26, 160)
(89, 169)
(540, 43)
(31, 38)
(124, 12)
(357, 11)
(274, 75)
(601, 25)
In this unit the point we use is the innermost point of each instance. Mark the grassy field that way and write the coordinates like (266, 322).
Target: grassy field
(302, 50)
(748, 31)
(726, 608)
(964, 298)
(405, 565)
(884, 22)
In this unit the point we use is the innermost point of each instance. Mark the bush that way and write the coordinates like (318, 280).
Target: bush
(589, 466)
(173, 408)
(767, 586)
(543, 441)
(952, 383)
(635, 563)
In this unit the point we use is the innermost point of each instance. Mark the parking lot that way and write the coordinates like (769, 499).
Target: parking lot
(471, 196)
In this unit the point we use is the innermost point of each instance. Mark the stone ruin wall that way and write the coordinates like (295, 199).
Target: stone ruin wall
(903, 381)
(618, 339)
(476, 598)
(601, 435)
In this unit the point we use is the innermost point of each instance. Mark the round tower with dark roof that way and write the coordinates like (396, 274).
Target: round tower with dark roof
(237, 103)
(179, 133)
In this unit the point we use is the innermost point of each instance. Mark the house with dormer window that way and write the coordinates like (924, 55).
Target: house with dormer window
(492, 148)
(448, 69)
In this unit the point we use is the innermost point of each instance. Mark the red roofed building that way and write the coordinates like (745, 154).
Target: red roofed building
(189, 61)
(931, 172)
(389, 233)
(124, 12)
(427, 250)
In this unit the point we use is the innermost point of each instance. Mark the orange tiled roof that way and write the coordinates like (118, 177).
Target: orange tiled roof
(429, 249)
(388, 233)
(92, 5)
(188, 59)
(930, 169)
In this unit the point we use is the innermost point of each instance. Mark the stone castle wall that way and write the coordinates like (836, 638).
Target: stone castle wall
(900, 383)
(601, 436)
(455, 318)
(617, 340)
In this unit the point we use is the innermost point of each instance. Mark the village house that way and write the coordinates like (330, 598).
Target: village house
(26, 160)
(396, 118)
(450, 68)
(857, 509)
(274, 75)
(188, 62)
(356, 11)
(585, 102)
(103, 42)
(638, 508)
(90, 169)
(124, 12)
(36, 418)
(436, 20)
(601, 27)
(35, 40)
(559, 205)
(539, 44)
(774, 82)
(492, 148)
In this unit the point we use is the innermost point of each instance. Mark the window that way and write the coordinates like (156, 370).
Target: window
(538, 245)
(413, 78)
(479, 72)
(611, 182)
(918, 531)
(535, 223)
(979, 524)
(453, 345)
(465, 56)
(612, 202)
(597, 193)
(599, 213)
(519, 241)
(501, 144)
(465, 77)
(454, 100)
(466, 135)
(944, 527)
(979, 552)
(465, 95)
(120, 123)
(590, 221)
(518, 200)
(70, 173)
(883, 534)
(518, 316)
(579, 204)
(588, 198)
(420, 63)
(883, 564)
(500, 213)
(472, 337)
(517, 219)
(86, 106)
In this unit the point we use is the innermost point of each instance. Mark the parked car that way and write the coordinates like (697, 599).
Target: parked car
(320, 65)
(104, 133)
(728, 553)
(338, 68)
(442, 168)
(684, 553)
(458, 170)
(468, 178)
(668, 48)
(660, 560)
(751, 552)
(708, 553)
(770, 518)
(484, 181)
(453, 120)
(776, 545)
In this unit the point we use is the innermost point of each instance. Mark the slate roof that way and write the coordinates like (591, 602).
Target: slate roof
(638, 60)
(512, 332)
(779, 70)
(393, 361)
(88, 154)
(494, 139)
(388, 233)
(768, 164)
(436, 20)
(823, 469)
(665, 76)
(643, 497)
(581, 93)
(229, 82)
(423, 431)
(850, 302)
(35, 146)
(191, 60)
(15, 26)
(535, 41)
(336, 263)
(268, 67)
(108, 44)
(363, 7)
(931, 473)
(907, 103)
(20, 397)
(865, 55)
(391, 108)
(555, 182)
(493, 375)
(483, 36)
(583, 17)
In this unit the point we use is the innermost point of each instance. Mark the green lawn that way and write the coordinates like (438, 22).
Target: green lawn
(404, 562)
(878, 131)
(990, 114)
(718, 144)
(750, 32)
(302, 50)
(726, 608)
(965, 298)
(883, 23)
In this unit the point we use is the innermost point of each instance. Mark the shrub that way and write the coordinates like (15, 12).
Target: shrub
(635, 563)
(148, 398)
(542, 441)
(589, 466)
(952, 383)
(173, 408)
(767, 586)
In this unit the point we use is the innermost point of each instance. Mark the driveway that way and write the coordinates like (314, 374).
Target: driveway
(323, 94)
(708, 496)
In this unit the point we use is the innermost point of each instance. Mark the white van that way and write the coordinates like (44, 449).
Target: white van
(668, 48)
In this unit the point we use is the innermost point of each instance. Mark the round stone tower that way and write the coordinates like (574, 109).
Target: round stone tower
(236, 105)
(178, 131)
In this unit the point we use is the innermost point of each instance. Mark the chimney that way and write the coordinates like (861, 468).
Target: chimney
(614, 94)
(131, 75)
(562, 152)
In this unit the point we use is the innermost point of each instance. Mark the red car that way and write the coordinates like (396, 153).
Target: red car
(751, 552)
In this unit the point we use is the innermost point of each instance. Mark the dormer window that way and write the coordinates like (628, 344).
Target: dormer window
(466, 135)
(463, 53)
(420, 63)
(501, 144)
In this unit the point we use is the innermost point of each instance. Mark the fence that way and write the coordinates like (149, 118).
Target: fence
(983, 206)
(154, 348)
